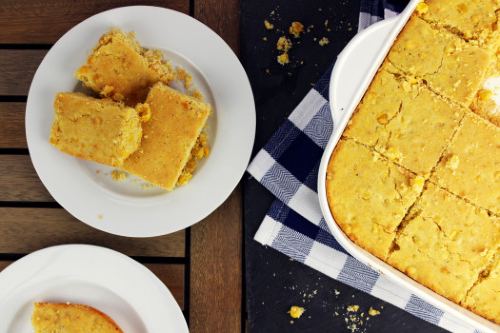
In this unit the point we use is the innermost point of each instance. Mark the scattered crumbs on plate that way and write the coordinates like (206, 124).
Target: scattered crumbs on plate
(119, 175)
(197, 95)
(325, 23)
(283, 59)
(183, 76)
(291, 322)
(353, 308)
(336, 292)
(268, 25)
(284, 44)
(373, 312)
(320, 9)
(296, 311)
(97, 172)
(147, 186)
(99, 216)
(296, 29)
(324, 41)
(268, 71)
(264, 39)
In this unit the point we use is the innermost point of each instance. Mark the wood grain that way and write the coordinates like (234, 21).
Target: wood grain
(23, 230)
(17, 68)
(172, 275)
(12, 125)
(43, 22)
(216, 243)
(19, 181)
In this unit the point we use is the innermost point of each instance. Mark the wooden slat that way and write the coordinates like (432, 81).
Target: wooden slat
(19, 181)
(23, 230)
(17, 68)
(43, 22)
(216, 243)
(172, 275)
(12, 125)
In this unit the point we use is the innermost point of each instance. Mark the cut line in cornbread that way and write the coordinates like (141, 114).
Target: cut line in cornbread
(471, 19)
(470, 167)
(71, 318)
(98, 130)
(450, 66)
(445, 243)
(398, 117)
(169, 136)
(368, 195)
(483, 298)
(121, 69)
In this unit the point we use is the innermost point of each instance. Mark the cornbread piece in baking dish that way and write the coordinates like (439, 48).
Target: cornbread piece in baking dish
(169, 136)
(470, 165)
(398, 117)
(445, 243)
(484, 297)
(368, 195)
(449, 65)
(99, 130)
(71, 318)
(472, 19)
(120, 68)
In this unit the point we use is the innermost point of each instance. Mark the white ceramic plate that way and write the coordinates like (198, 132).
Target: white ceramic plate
(102, 278)
(353, 71)
(86, 189)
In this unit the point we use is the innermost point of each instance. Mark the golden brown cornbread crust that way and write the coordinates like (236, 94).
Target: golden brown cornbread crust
(456, 216)
(66, 318)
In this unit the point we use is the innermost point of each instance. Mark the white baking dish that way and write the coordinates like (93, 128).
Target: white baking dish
(354, 70)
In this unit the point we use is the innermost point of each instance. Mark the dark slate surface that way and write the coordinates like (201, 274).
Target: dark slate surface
(273, 281)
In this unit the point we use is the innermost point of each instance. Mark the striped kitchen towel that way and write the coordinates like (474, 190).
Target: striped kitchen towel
(288, 166)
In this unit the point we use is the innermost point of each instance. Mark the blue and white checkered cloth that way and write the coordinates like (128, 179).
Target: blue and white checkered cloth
(288, 166)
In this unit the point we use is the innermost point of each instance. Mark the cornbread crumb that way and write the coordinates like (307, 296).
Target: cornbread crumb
(353, 308)
(144, 112)
(373, 312)
(422, 8)
(119, 175)
(284, 44)
(296, 311)
(283, 59)
(296, 28)
(268, 25)
(182, 75)
(324, 41)
(198, 95)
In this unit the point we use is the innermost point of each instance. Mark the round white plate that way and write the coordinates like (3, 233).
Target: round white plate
(102, 278)
(126, 208)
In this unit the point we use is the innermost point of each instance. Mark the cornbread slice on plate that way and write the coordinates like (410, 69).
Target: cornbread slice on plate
(472, 19)
(71, 318)
(98, 130)
(470, 166)
(449, 65)
(483, 297)
(169, 136)
(368, 195)
(445, 243)
(398, 117)
(120, 68)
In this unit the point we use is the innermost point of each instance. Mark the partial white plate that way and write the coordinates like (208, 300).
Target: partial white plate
(351, 76)
(102, 278)
(86, 189)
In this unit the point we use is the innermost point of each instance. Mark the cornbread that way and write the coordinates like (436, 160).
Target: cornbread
(415, 178)
(397, 118)
(483, 296)
(449, 65)
(368, 195)
(121, 69)
(445, 243)
(472, 19)
(71, 318)
(99, 130)
(169, 136)
(476, 175)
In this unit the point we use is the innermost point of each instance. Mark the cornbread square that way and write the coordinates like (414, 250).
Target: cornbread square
(484, 297)
(449, 65)
(368, 195)
(472, 19)
(99, 130)
(120, 68)
(397, 118)
(470, 166)
(445, 243)
(169, 136)
(65, 317)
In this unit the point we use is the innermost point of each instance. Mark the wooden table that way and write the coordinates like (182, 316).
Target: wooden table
(203, 273)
